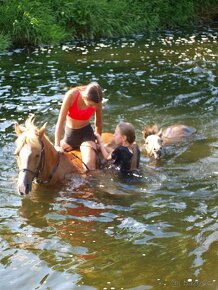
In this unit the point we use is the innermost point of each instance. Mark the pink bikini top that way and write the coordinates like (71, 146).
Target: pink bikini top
(76, 113)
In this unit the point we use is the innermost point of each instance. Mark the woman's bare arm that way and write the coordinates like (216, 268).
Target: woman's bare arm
(68, 99)
(98, 119)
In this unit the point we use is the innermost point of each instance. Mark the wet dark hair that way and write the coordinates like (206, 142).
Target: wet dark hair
(94, 93)
(128, 130)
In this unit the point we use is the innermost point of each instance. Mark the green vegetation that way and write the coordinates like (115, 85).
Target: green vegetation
(36, 22)
(5, 41)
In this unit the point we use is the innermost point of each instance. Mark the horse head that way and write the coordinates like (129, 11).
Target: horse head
(153, 141)
(29, 152)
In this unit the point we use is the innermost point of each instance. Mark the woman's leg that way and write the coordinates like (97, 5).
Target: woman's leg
(65, 146)
(88, 152)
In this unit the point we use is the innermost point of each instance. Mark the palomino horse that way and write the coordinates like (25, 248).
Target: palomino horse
(155, 139)
(38, 159)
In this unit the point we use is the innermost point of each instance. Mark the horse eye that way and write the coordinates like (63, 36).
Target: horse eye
(37, 156)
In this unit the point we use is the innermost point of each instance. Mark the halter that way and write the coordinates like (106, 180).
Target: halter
(41, 166)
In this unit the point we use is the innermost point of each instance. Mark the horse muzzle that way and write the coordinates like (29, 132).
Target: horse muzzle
(156, 154)
(25, 180)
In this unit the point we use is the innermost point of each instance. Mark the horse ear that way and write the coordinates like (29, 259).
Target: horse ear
(19, 129)
(154, 129)
(145, 132)
(160, 133)
(42, 130)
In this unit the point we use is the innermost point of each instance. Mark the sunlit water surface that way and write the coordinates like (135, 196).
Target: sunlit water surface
(157, 229)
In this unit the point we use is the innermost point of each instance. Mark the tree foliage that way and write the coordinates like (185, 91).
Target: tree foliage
(37, 22)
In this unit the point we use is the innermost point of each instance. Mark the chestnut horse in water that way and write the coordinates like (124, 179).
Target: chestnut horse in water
(155, 139)
(38, 159)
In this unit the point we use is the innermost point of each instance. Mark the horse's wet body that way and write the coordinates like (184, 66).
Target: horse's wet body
(175, 133)
(155, 140)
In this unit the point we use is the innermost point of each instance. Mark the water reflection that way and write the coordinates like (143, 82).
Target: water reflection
(156, 229)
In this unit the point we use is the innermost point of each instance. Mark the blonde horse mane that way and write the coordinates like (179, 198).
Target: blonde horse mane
(29, 134)
(149, 130)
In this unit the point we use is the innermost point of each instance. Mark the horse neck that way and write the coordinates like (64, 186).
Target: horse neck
(51, 157)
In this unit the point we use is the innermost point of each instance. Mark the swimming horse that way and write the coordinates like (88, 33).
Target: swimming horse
(39, 162)
(156, 139)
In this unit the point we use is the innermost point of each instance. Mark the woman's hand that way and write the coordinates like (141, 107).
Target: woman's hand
(59, 148)
(98, 137)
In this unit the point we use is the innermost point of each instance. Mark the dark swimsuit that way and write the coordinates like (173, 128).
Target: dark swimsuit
(75, 137)
(122, 158)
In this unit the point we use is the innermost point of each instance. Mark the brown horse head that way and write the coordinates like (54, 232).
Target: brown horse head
(29, 152)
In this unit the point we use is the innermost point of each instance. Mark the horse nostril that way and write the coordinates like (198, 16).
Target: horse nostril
(28, 188)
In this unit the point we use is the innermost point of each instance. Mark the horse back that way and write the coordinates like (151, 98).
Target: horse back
(75, 155)
(107, 138)
(176, 132)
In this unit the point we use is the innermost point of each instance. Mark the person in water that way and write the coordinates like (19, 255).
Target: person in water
(79, 105)
(126, 155)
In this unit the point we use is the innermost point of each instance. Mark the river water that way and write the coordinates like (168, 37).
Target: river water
(155, 230)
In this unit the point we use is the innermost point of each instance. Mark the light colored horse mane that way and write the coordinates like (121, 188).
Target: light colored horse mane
(150, 130)
(29, 134)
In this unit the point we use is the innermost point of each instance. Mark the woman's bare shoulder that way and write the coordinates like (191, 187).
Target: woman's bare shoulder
(74, 90)
(71, 93)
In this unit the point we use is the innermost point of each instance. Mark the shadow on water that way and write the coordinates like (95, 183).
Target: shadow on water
(153, 230)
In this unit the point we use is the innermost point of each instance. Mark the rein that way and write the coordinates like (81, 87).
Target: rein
(86, 166)
(41, 167)
(39, 181)
(97, 156)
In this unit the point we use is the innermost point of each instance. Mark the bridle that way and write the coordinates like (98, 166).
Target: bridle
(40, 168)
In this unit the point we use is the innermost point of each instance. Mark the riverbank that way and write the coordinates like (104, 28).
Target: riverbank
(34, 23)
